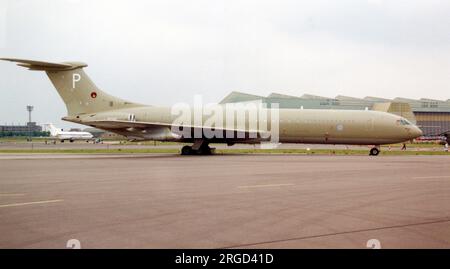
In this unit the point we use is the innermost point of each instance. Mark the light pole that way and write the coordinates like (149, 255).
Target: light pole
(29, 109)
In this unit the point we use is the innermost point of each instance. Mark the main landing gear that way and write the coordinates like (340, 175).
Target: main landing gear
(374, 151)
(200, 147)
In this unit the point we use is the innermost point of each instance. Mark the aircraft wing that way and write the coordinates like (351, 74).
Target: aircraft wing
(141, 126)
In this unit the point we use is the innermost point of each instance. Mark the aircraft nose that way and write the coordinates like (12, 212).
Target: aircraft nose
(416, 132)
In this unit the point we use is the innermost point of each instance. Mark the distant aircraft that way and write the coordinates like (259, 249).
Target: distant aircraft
(71, 136)
(86, 104)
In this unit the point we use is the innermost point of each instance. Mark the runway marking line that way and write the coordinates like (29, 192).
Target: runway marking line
(266, 186)
(11, 194)
(338, 233)
(31, 203)
(431, 177)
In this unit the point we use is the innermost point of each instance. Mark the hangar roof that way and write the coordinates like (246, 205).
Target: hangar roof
(339, 102)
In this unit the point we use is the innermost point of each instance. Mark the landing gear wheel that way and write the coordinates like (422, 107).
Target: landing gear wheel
(206, 150)
(200, 147)
(374, 152)
(186, 150)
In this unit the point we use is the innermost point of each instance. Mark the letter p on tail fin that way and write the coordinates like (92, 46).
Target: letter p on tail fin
(77, 90)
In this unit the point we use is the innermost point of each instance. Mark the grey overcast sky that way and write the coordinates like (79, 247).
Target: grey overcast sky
(166, 51)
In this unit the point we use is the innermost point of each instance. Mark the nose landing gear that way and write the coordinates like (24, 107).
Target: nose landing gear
(374, 151)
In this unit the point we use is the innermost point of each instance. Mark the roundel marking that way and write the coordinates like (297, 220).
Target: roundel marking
(339, 127)
(93, 94)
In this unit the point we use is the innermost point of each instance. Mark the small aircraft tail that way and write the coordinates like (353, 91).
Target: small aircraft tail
(77, 90)
(52, 129)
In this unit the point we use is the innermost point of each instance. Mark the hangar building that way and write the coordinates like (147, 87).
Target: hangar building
(432, 116)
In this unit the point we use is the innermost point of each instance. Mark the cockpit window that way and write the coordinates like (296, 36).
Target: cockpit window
(403, 122)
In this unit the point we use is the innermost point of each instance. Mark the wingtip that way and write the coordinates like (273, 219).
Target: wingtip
(6, 59)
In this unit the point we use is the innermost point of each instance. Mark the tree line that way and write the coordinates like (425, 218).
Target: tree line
(33, 134)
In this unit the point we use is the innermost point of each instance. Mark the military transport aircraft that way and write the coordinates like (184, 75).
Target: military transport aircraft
(87, 104)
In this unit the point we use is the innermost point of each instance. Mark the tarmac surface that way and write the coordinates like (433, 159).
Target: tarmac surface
(77, 145)
(224, 201)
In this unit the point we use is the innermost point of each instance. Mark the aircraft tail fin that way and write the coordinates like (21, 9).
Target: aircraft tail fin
(52, 129)
(77, 90)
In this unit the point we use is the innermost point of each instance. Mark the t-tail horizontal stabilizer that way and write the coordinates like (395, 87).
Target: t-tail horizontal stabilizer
(45, 66)
(77, 90)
